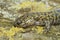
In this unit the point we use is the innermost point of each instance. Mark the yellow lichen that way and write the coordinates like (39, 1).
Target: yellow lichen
(1, 31)
(1, 34)
(39, 29)
(10, 38)
(35, 6)
(10, 33)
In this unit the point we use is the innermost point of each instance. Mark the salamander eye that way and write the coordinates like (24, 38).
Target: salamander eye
(19, 22)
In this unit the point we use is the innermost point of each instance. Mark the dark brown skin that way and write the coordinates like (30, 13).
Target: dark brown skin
(39, 19)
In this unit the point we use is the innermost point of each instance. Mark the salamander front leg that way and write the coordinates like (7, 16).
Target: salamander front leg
(47, 26)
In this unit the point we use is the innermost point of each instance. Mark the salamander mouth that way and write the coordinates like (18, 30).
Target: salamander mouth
(20, 24)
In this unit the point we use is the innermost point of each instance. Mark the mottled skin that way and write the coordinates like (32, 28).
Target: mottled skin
(38, 19)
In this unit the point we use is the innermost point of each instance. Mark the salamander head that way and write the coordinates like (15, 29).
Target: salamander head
(17, 22)
(23, 23)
